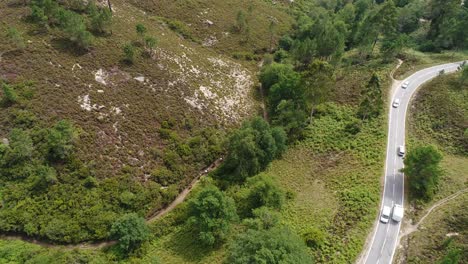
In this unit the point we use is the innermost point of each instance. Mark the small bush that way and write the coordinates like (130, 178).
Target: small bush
(9, 95)
(129, 51)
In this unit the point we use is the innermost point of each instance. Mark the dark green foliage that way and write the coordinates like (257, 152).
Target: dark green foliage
(448, 25)
(251, 149)
(100, 18)
(263, 218)
(20, 148)
(130, 230)
(318, 80)
(380, 21)
(50, 13)
(141, 30)
(269, 246)
(44, 176)
(260, 191)
(74, 26)
(60, 140)
(371, 105)
(285, 98)
(150, 44)
(129, 53)
(422, 167)
(211, 213)
(9, 95)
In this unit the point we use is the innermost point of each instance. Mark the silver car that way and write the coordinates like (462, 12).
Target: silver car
(396, 103)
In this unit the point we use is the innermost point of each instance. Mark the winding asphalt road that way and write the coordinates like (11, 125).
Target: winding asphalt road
(385, 236)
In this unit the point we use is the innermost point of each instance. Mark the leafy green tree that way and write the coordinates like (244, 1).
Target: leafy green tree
(46, 12)
(381, 21)
(251, 149)
(129, 53)
(211, 213)
(372, 102)
(16, 38)
(60, 140)
(391, 47)
(100, 18)
(9, 94)
(74, 26)
(130, 230)
(260, 191)
(318, 80)
(422, 166)
(442, 14)
(268, 246)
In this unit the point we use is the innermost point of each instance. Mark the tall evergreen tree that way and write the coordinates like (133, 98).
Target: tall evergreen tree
(372, 102)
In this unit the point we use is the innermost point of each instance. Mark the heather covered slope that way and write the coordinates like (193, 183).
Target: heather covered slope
(144, 129)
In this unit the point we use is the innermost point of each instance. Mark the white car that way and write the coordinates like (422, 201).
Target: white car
(401, 151)
(405, 85)
(385, 216)
(396, 103)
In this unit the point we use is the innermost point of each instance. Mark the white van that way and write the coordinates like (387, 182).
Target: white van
(401, 151)
(397, 214)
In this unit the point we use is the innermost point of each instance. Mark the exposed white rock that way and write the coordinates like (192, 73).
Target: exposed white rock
(100, 76)
(140, 78)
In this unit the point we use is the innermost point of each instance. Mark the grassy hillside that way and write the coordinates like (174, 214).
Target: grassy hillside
(439, 116)
(212, 23)
(138, 124)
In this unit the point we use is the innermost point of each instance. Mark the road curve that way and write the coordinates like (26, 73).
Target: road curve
(385, 236)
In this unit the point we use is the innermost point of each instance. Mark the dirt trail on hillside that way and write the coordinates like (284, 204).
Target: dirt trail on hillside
(99, 245)
(410, 228)
(414, 227)
(182, 195)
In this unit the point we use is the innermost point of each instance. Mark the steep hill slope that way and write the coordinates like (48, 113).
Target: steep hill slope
(145, 129)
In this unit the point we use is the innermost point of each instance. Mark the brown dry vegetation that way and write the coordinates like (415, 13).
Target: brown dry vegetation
(121, 124)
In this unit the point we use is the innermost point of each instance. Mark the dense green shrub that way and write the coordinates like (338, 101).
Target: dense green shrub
(131, 231)
(260, 191)
(251, 149)
(60, 140)
(275, 245)
(9, 95)
(422, 166)
(211, 213)
(129, 52)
